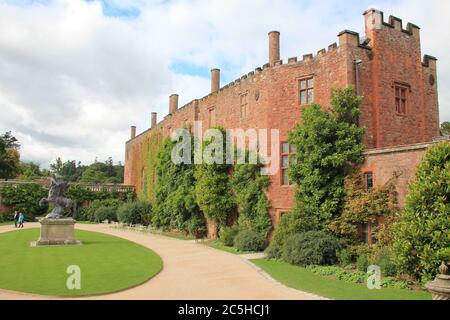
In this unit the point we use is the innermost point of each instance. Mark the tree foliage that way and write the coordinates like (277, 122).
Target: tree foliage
(445, 128)
(363, 206)
(9, 156)
(97, 172)
(24, 197)
(212, 189)
(329, 144)
(421, 236)
(249, 188)
(175, 205)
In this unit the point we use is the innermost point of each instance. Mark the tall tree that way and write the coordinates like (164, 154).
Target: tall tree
(329, 144)
(445, 128)
(212, 189)
(422, 233)
(9, 156)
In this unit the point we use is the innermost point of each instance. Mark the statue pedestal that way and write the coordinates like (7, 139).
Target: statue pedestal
(57, 232)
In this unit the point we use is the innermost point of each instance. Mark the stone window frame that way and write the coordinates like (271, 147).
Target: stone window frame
(368, 186)
(401, 98)
(306, 89)
(243, 106)
(291, 151)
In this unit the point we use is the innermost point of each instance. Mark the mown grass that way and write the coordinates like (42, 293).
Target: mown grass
(108, 264)
(304, 280)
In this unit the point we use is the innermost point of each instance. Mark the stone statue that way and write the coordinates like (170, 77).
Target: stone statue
(56, 196)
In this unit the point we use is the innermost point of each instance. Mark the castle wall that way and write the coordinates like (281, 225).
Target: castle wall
(389, 56)
(398, 163)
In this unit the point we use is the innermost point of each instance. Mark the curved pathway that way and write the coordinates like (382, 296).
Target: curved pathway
(191, 271)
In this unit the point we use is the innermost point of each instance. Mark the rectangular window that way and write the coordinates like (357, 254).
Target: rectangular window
(212, 117)
(288, 154)
(244, 105)
(401, 99)
(365, 232)
(368, 180)
(306, 91)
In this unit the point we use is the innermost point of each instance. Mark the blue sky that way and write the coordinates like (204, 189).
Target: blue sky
(109, 63)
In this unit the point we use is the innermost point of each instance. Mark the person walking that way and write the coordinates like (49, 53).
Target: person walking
(21, 219)
(16, 218)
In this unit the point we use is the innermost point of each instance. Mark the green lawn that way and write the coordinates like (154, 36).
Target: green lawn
(176, 235)
(304, 280)
(216, 244)
(108, 264)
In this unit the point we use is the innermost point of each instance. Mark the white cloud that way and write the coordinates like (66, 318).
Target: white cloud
(72, 81)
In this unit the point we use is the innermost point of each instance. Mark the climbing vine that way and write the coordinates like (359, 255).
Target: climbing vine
(249, 188)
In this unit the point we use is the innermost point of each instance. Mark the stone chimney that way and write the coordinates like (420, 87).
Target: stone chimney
(133, 132)
(154, 119)
(173, 105)
(274, 47)
(215, 80)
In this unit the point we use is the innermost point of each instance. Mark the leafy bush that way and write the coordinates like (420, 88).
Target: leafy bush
(389, 282)
(249, 187)
(311, 248)
(89, 213)
(324, 270)
(212, 188)
(329, 143)
(421, 236)
(196, 226)
(383, 258)
(344, 257)
(362, 263)
(249, 240)
(105, 214)
(352, 277)
(289, 225)
(133, 213)
(25, 197)
(174, 205)
(227, 235)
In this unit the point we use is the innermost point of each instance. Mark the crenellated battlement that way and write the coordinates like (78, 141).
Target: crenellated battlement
(375, 20)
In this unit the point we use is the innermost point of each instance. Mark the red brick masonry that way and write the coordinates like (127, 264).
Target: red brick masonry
(400, 105)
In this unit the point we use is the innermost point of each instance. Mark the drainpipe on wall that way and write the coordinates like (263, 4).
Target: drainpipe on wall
(357, 76)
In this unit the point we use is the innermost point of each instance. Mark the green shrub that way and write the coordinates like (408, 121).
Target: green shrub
(311, 248)
(249, 240)
(89, 213)
(344, 257)
(196, 226)
(25, 197)
(227, 235)
(383, 258)
(389, 282)
(105, 214)
(352, 277)
(362, 263)
(134, 213)
(289, 225)
(324, 270)
(421, 236)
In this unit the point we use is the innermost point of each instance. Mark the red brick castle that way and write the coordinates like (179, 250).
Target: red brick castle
(399, 111)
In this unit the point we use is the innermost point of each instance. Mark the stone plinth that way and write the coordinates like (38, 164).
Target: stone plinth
(57, 232)
(440, 287)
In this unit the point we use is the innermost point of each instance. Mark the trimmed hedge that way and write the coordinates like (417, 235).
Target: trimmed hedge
(228, 234)
(134, 213)
(311, 248)
(251, 241)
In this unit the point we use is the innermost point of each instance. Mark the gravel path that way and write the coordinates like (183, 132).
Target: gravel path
(191, 271)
